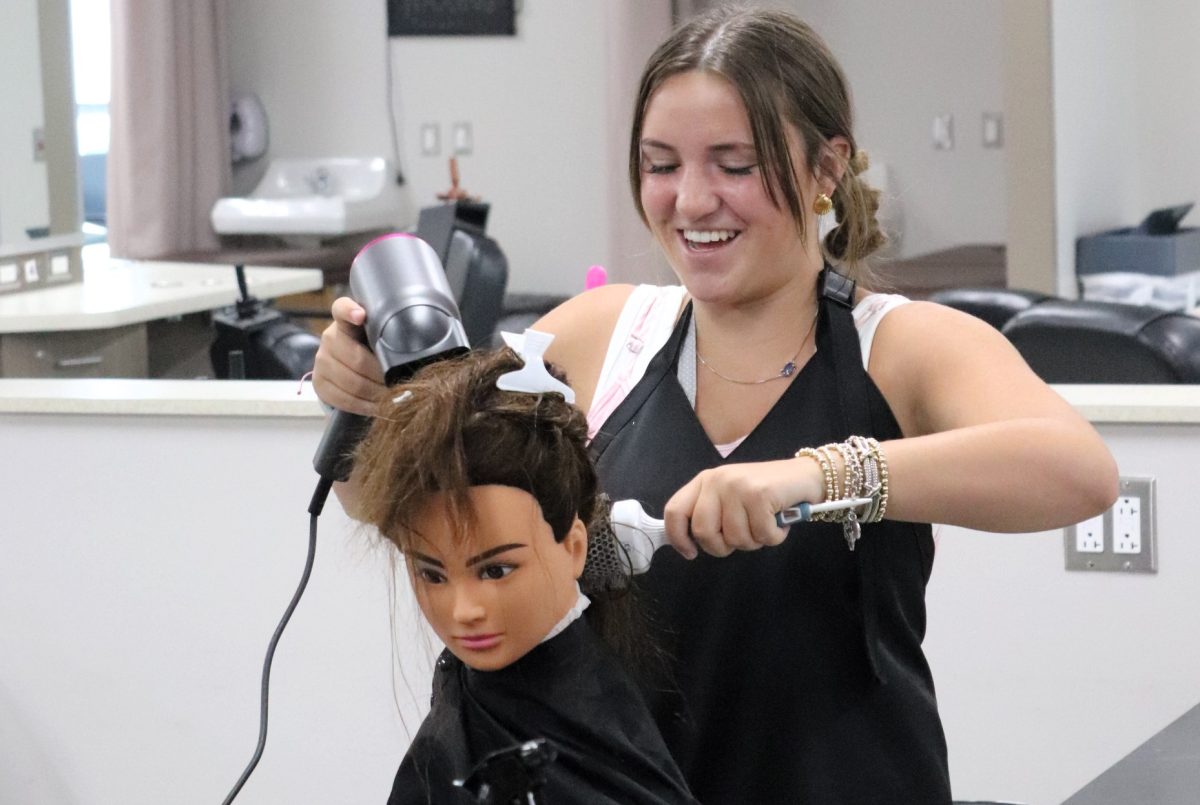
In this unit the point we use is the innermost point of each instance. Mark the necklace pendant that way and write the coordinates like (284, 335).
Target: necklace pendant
(788, 370)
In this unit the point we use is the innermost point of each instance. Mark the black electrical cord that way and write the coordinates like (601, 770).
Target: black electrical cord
(314, 508)
(391, 106)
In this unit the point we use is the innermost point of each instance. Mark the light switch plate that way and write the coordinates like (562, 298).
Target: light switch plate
(943, 133)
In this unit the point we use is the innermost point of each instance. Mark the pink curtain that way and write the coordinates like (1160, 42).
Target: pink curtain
(168, 159)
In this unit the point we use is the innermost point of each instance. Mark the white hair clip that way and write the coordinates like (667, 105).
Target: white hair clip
(533, 377)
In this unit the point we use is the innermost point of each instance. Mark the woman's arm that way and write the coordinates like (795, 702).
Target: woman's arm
(988, 446)
(991, 446)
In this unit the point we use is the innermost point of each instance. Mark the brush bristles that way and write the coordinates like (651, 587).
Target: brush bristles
(607, 568)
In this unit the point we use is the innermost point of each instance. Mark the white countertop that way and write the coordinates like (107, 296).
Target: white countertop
(118, 292)
(236, 398)
(288, 398)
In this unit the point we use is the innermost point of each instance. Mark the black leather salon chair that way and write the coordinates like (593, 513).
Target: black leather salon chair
(476, 268)
(278, 349)
(994, 305)
(1067, 341)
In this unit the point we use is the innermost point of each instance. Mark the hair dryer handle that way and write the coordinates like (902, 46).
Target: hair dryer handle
(335, 453)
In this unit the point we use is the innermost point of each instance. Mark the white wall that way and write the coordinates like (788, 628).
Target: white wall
(1045, 678)
(550, 112)
(146, 562)
(1168, 163)
(542, 106)
(1098, 113)
(907, 63)
(1125, 116)
(24, 198)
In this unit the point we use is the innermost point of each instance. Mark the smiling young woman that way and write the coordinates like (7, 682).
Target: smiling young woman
(714, 405)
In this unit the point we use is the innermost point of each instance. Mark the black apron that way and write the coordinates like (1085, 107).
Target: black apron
(798, 674)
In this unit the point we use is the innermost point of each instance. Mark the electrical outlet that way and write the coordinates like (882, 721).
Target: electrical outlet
(1089, 535)
(1121, 539)
(1127, 525)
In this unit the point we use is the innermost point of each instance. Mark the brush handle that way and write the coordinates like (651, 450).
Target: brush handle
(803, 512)
(641, 535)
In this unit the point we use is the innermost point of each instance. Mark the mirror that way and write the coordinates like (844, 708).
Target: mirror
(39, 190)
(24, 187)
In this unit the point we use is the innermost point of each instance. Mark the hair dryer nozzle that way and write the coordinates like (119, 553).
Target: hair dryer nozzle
(411, 312)
(412, 320)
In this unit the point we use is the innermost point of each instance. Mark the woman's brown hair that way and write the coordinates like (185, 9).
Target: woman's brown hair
(784, 74)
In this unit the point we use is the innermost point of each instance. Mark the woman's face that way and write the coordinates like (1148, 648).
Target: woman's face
(496, 595)
(703, 194)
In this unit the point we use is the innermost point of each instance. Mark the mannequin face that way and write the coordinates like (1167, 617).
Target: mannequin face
(494, 596)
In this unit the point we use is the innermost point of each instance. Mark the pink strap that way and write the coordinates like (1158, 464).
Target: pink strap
(608, 397)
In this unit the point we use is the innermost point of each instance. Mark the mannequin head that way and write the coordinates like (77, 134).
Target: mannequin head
(494, 596)
(487, 493)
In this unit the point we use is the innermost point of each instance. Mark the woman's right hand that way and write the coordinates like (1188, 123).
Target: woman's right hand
(346, 374)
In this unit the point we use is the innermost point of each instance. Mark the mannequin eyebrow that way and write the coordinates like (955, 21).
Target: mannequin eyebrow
(490, 552)
(474, 560)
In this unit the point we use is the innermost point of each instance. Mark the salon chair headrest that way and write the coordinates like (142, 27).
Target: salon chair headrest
(1068, 341)
(994, 305)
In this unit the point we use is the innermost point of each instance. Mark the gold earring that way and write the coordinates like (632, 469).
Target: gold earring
(822, 204)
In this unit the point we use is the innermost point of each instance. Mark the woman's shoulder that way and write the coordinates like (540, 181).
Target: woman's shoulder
(585, 310)
(583, 327)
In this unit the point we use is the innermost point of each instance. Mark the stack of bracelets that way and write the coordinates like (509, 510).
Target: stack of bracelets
(865, 476)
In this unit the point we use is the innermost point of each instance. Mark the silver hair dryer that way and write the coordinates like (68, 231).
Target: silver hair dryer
(412, 320)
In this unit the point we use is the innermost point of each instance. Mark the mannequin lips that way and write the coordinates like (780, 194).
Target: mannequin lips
(480, 642)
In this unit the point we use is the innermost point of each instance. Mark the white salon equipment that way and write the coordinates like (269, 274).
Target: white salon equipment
(318, 198)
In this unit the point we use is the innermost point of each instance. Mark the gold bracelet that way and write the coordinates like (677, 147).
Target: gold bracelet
(881, 457)
(835, 492)
(823, 463)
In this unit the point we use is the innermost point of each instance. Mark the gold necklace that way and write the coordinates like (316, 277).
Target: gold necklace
(788, 369)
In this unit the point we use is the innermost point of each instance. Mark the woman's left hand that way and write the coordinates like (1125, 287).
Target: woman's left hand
(732, 508)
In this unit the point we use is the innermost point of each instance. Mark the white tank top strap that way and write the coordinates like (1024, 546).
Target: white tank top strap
(645, 324)
(867, 315)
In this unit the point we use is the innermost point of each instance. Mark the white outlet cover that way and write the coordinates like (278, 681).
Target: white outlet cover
(1127, 525)
(1089, 535)
(1128, 528)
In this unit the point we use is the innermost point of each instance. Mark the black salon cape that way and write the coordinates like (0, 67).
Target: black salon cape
(569, 690)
